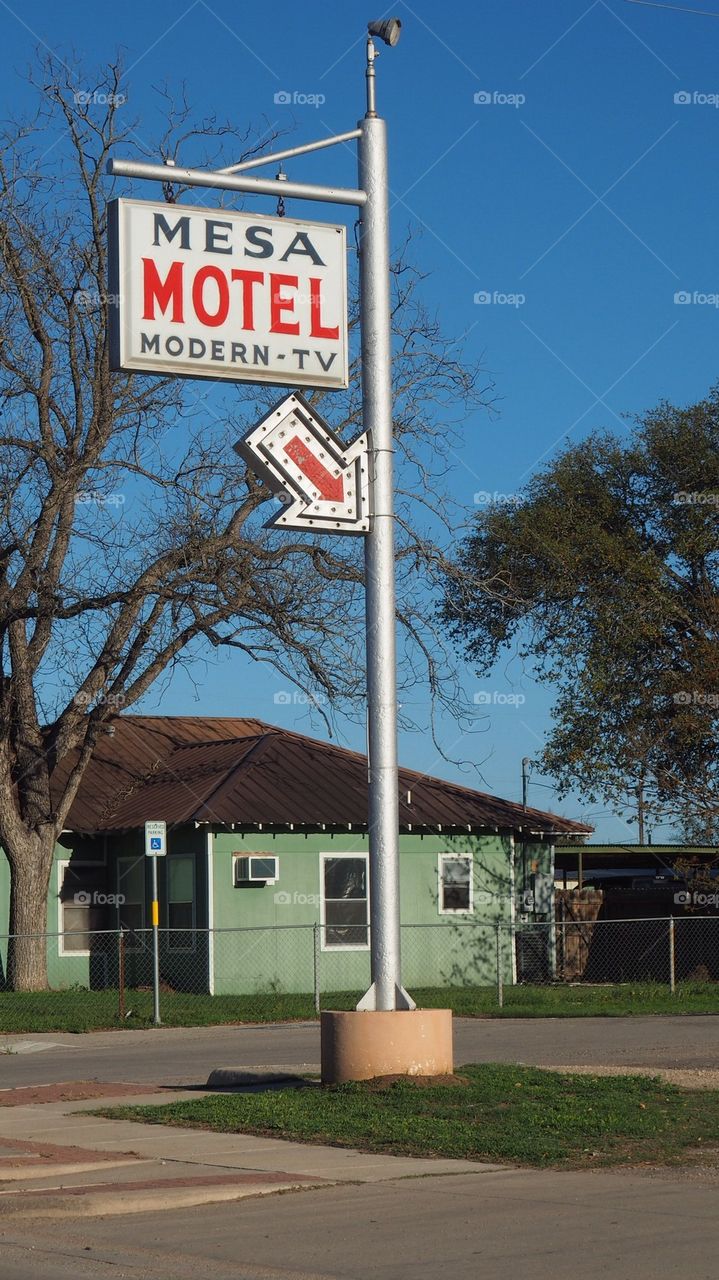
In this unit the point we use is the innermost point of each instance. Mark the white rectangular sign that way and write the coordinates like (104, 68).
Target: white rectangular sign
(210, 293)
(155, 839)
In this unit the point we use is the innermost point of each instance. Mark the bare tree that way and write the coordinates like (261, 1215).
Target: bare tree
(130, 536)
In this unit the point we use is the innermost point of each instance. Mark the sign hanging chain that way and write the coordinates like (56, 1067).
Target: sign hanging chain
(281, 177)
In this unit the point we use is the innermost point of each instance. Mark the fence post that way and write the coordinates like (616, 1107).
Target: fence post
(500, 982)
(316, 964)
(121, 975)
(672, 956)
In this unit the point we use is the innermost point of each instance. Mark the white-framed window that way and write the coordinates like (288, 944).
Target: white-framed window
(78, 914)
(131, 896)
(344, 901)
(455, 892)
(181, 907)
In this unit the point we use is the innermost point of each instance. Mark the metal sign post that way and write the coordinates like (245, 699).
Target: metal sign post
(386, 991)
(155, 847)
(371, 198)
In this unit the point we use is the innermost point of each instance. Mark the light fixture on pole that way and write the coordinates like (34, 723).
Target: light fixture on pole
(388, 30)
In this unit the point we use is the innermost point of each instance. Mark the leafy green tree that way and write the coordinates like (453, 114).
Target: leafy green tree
(604, 574)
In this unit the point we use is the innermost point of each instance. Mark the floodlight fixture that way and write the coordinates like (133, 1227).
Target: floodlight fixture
(388, 30)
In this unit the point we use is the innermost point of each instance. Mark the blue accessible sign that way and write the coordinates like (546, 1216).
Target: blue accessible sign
(155, 839)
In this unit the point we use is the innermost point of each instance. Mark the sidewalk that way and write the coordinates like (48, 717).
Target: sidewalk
(56, 1159)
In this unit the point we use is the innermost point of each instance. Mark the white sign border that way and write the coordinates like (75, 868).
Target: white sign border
(120, 363)
(155, 853)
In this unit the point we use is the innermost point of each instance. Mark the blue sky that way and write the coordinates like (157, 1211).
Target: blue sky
(578, 184)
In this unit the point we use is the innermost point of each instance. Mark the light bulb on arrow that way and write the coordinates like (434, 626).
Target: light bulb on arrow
(323, 483)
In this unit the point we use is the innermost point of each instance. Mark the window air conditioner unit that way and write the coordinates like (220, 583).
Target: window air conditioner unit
(256, 869)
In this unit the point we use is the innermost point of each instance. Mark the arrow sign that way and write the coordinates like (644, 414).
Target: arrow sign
(330, 488)
(322, 482)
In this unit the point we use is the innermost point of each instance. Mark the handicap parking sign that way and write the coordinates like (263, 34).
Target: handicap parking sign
(155, 839)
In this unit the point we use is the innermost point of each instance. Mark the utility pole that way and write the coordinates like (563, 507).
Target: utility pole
(525, 780)
(641, 810)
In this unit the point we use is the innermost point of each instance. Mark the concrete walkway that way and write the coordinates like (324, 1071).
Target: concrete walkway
(56, 1159)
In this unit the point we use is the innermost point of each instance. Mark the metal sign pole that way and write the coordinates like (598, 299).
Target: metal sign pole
(386, 991)
(371, 198)
(155, 947)
(155, 847)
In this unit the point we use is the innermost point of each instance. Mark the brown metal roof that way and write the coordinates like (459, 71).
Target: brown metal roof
(224, 770)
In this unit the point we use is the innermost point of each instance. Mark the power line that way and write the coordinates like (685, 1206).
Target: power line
(678, 8)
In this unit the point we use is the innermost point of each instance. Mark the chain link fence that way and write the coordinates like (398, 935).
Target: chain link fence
(105, 979)
(655, 950)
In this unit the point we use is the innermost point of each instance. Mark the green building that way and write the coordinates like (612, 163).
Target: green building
(266, 876)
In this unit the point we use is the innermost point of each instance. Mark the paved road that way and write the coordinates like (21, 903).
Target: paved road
(187, 1055)
(463, 1227)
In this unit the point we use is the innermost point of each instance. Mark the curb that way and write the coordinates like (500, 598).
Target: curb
(228, 1078)
(96, 1203)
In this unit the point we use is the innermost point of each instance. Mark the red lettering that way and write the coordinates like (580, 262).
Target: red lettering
(317, 329)
(278, 304)
(211, 318)
(248, 280)
(162, 292)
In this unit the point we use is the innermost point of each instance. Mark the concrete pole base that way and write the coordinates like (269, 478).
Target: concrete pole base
(408, 1042)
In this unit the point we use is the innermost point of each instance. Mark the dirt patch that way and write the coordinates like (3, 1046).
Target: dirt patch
(378, 1083)
(698, 1165)
(17, 1153)
(70, 1091)
(682, 1077)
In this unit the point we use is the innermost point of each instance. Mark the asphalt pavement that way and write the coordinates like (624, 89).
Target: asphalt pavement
(172, 1057)
(459, 1227)
(83, 1198)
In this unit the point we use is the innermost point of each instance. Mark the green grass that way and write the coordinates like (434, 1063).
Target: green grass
(82, 1010)
(505, 1114)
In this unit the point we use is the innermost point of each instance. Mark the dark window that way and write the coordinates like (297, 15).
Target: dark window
(266, 867)
(455, 884)
(80, 912)
(131, 897)
(181, 901)
(345, 901)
